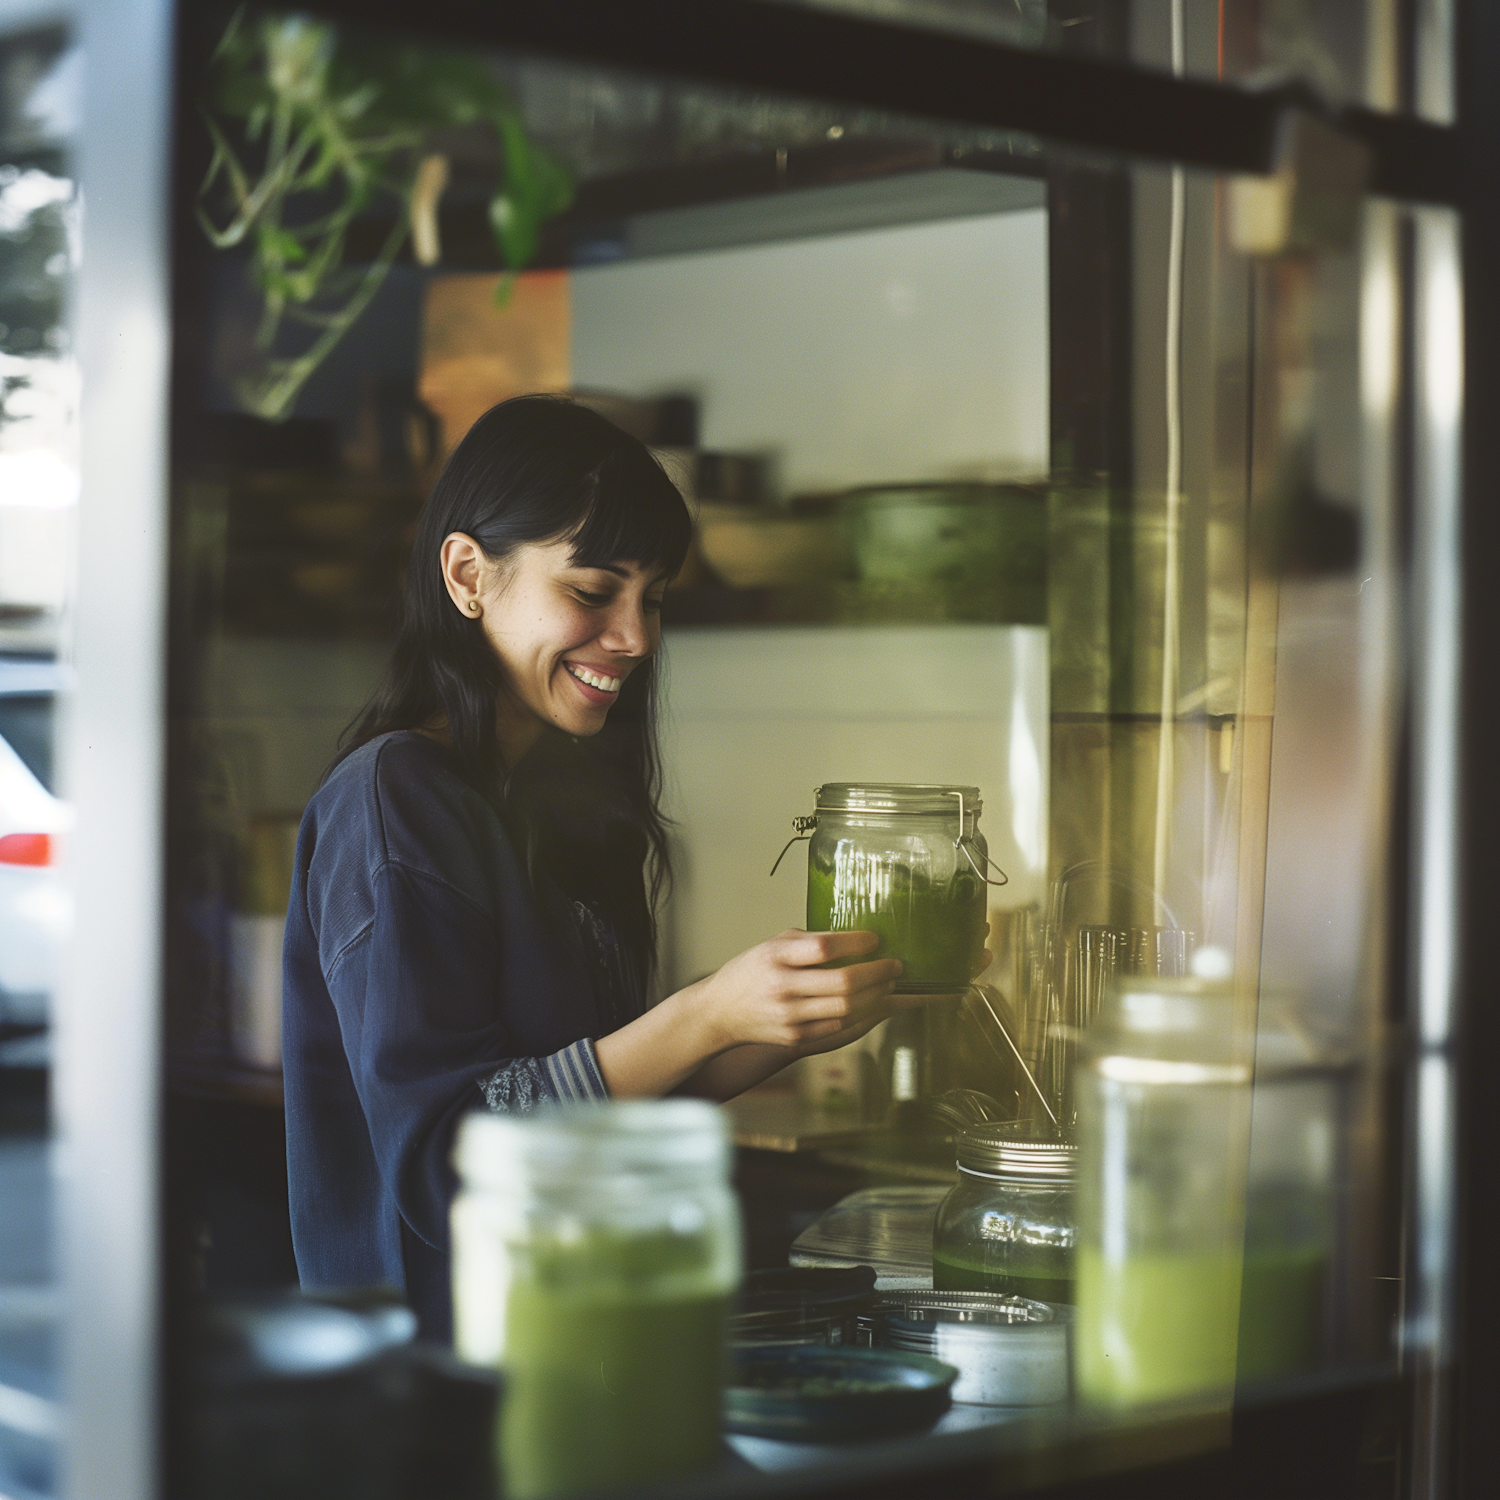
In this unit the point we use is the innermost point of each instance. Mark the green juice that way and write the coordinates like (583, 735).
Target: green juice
(614, 1365)
(956, 1273)
(937, 930)
(1155, 1327)
(1163, 1327)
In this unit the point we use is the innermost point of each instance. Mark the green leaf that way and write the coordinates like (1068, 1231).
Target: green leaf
(280, 244)
(311, 127)
(536, 188)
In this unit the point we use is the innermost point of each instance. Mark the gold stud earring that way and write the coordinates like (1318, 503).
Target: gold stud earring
(474, 605)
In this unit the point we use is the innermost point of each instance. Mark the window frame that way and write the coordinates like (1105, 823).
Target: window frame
(1095, 104)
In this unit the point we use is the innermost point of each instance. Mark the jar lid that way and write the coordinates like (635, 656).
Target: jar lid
(617, 1143)
(896, 797)
(910, 1311)
(1019, 1151)
(1165, 1030)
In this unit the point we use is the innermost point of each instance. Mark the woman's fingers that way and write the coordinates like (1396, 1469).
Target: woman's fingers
(799, 950)
(845, 1003)
(822, 1008)
(845, 981)
(814, 1031)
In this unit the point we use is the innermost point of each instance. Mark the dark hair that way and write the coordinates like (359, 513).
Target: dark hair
(535, 469)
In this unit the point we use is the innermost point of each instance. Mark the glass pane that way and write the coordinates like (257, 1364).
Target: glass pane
(1064, 480)
(38, 491)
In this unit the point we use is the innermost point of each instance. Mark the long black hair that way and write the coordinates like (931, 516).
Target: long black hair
(585, 811)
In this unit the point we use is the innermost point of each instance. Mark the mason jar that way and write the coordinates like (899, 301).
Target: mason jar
(1009, 1226)
(1163, 1128)
(596, 1250)
(908, 863)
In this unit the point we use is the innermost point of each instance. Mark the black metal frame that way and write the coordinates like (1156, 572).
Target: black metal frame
(1071, 98)
(1318, 1444)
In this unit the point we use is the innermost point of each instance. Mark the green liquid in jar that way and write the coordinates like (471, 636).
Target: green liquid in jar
(936, 930)
(614, 1365)
(1157, 1328)
(955, 1273)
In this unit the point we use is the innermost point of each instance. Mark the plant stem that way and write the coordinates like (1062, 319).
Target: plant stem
(272, 396)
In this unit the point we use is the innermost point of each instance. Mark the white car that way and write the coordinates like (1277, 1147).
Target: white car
(34, 903)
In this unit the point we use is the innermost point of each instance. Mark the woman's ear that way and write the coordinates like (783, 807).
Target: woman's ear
(463, 562)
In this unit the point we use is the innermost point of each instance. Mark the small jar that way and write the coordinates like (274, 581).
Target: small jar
(906, 862)
(1008, 1226)
(596, 1250)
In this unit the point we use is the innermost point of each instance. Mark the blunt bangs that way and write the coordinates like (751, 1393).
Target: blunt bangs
(635, 514)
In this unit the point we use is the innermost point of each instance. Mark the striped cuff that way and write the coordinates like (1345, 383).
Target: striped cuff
(574, 1073)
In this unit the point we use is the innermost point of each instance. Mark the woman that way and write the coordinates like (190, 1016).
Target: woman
(472, 919)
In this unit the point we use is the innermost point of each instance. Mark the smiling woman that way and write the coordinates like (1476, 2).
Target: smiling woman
(473, 913)
(566, 634)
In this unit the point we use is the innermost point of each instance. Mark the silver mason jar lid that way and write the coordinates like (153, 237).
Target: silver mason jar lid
(1008, 1351)
(1017, 1153)
(896, 797)
(913, 1311)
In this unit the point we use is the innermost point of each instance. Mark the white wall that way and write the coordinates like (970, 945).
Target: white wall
(884, 355)
(891, 354)
(756, 717)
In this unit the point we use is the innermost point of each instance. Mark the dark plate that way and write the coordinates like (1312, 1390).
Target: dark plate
(834, 1395)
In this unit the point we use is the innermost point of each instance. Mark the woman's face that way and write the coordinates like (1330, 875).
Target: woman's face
(567, 636)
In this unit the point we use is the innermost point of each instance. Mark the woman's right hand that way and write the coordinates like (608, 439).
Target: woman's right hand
(778, 994)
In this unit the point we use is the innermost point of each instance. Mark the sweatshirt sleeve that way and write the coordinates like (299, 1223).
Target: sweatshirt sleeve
(415, 997)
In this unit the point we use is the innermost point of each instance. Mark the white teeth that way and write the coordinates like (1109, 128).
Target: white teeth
(594, 680)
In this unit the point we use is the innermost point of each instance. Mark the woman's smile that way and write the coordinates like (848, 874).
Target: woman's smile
(597, 685)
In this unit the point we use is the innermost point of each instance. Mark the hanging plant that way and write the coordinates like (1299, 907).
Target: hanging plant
(338, 126)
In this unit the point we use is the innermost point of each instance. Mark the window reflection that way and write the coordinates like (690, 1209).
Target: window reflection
(1009, 470)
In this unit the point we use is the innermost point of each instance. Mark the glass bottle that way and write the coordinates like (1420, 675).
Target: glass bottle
(909, 863)
(595, 1252)
(1163, 1130)
(1008, 1226)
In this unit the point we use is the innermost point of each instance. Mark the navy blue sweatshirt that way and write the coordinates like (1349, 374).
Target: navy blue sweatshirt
(424, 976)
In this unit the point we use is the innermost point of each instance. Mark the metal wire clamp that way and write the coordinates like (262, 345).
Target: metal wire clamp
(804, 824)
(964, 843)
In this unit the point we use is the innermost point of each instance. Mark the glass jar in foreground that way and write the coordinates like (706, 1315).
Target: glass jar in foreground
(1008, 1226)
(906, 862)
(595, 1253)
(1163, 1133)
